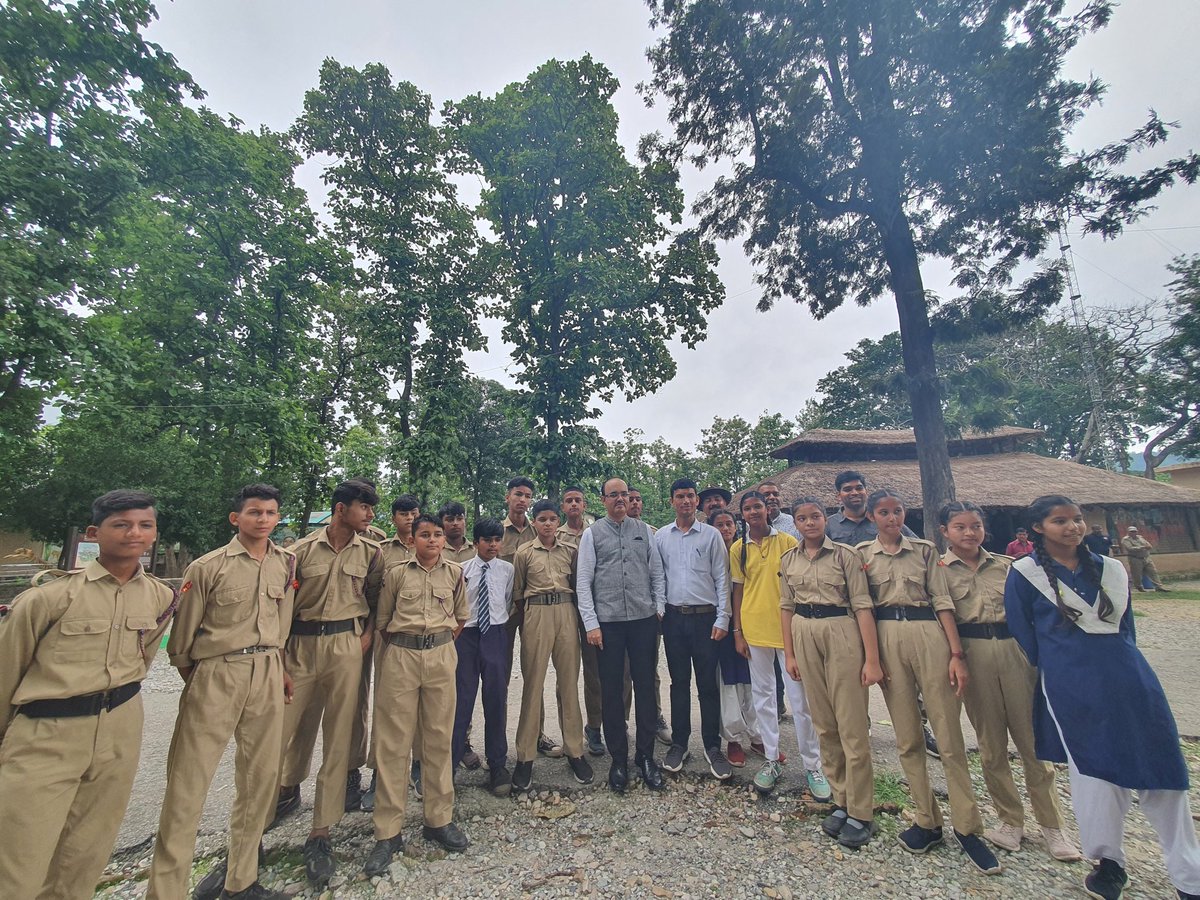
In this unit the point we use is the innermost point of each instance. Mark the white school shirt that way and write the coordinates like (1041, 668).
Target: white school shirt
(500, 577)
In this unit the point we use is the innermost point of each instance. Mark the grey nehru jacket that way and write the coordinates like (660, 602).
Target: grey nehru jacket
(620, 573)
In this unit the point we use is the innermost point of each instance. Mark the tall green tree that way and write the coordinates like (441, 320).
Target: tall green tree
(396, 209)
(863, 136)
(733, 453)
(593, 275)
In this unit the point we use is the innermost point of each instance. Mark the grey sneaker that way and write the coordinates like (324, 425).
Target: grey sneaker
(675, 758)
(718, 765)
(663, 732)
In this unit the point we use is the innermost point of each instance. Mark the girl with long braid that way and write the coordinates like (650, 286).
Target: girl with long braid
(739, 724)
(1099, 706)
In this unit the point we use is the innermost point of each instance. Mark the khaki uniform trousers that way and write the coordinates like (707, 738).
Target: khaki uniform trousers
(916, 659)
(232, 696)
(326, 671)
(999, 702)
(64, 786)
(549, 633)
(830, 655)
(412, 684)
(591, 679)
(1140, 566)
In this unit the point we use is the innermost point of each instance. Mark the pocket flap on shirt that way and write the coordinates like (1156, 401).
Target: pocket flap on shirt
(83, 626)
(140, 623)
(230, 596)
(276, 593)
(358, 570)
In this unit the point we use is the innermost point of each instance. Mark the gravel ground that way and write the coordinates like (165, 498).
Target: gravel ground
(696, 839)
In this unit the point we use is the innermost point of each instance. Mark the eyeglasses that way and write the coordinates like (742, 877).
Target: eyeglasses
(617, 495)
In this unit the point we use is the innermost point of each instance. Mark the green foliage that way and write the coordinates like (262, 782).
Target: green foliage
(737, 455)
(592, 280)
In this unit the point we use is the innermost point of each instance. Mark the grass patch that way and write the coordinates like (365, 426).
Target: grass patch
(890, 794)
(1171, 594)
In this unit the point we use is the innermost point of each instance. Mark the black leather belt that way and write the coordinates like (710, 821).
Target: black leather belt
(993, 630)
(905, 613)
(821, 611)
(697, 610)
(420, 641)
(299, 626)
(85, 705)
(548, 599)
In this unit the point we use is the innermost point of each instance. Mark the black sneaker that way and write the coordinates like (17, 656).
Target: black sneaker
(833, 823)
(381, 855)
(367, 804)
(547, 747)
(856, 834)
(319, 864)
(354, 790)
(581, 769)
(255, 892)
(522, 776)
(675, 758)
(977, 851)
(595, 741)
(931, 746)
(916, 839)
(718, 765)
(1107, 880)
(500, 781)
(212, 885)
(449, 836)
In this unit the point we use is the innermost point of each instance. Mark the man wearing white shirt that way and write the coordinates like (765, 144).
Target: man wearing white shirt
(696, 567)
(776, 517)
(483, 653)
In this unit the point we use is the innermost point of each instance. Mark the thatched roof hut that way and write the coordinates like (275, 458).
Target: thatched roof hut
(990, 470)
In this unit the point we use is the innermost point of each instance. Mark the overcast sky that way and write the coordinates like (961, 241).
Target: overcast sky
(256, 58)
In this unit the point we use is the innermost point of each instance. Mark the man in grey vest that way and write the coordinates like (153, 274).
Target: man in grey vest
(622, 596)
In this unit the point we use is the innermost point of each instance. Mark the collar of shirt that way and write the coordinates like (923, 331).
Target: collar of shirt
(770, 534)
(827, 546)
(695, 526)
(509, 523)
(877, 547)
(323, 538)
(985, 559)
(93, 571)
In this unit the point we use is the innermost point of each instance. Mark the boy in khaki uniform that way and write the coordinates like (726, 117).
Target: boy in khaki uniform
(831, 646)
(454, 525)
(544, 586)
(422, 609)
(73, 654)
(227, 640)
(575, 523)
(339, 574)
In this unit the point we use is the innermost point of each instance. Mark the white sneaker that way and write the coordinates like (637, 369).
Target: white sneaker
(1006, 837)
(1058, 845)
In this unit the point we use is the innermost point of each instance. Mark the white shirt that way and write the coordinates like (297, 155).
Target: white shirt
(500, 576)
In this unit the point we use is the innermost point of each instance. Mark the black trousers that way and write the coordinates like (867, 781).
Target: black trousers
(636, 641)
(689, 645)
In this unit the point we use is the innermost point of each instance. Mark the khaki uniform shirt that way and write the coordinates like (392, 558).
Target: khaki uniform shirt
(416, 600)
(80, 634)
(978, 594)
(566, 535)
(914, 576)
(834, 577)
(336, 585)
(544, 571)
(1137, 546)
(395, 551)
(515, 537)
(459, 556)
(229, 601)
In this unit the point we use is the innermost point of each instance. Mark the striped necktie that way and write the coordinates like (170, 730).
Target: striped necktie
(483, 613)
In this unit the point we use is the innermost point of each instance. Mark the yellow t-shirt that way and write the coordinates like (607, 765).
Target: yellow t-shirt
(760, 587)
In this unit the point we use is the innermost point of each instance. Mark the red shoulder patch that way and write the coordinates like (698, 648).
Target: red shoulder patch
(187, 586)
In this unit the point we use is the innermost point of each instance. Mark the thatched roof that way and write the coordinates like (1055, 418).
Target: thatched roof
(836, 444)
(1002, 480)
(1179, 467)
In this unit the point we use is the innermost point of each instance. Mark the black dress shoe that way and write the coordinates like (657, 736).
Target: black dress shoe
(651, 773)
(354, 790)
(618, 777)
(287, 803)
(449, 836)
(212, 885)
(319, 864)
(381, 855)
(256, 891)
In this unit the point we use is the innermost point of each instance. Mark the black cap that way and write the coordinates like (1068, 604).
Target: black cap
(710, 490)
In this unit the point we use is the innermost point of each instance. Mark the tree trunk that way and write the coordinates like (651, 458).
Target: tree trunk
(920, 369)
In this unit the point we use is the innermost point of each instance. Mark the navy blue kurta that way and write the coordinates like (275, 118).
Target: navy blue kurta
(1108, 702)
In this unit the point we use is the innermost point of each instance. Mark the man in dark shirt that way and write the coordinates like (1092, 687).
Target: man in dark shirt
(851, 525)
(1099, 542)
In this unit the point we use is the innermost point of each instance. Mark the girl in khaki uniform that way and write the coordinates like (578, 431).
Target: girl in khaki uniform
(999, 695)
(830, 644)
(922, 655)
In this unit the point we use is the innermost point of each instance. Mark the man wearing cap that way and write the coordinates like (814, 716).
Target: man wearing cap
(1138, 549)
(712, 498)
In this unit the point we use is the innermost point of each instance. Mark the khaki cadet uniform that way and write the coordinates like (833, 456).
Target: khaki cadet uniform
(459, 556)
(335, 602)
(544, 583)
(1138, 549)
(419, 609)
(999, 695)
(80, 643)
(823, 594)
(514, 538)
(233, 621)
(914, 652)
(587, 653)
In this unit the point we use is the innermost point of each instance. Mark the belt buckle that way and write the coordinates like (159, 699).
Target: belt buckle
(427, 641)
(321, 629)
